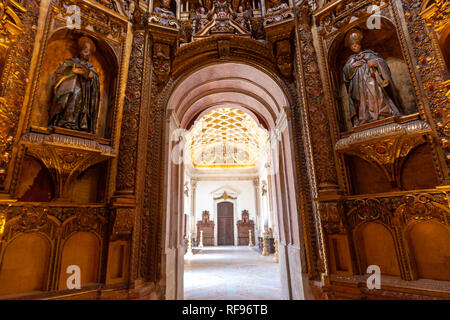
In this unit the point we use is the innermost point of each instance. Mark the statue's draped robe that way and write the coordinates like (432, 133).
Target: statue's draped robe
(370, 90)
(76, 97)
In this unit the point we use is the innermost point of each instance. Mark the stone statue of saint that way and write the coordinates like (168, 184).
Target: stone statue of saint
(76, 90)
(164, 9)
(369, 83)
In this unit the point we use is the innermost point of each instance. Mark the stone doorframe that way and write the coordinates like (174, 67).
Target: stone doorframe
(268, 97)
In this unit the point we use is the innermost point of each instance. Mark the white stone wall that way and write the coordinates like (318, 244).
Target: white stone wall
(242, 190)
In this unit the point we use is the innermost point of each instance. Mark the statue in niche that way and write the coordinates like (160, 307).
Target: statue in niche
(164, 9)
(76, 89)
(369, 83)
(276, 5)
(202, 18)
(242, 17)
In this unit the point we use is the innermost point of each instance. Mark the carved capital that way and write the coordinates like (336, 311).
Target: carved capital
(123, 224)
(331, 218)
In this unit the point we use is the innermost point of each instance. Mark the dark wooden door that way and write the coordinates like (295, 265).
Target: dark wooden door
(225, 230)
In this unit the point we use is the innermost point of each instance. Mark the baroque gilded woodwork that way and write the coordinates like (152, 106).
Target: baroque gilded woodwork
(430, 74)
(65, 156)
(437, 15)
(17, 31)
(116, 43)
(94, 18)
(331, 220)
(156, 57)
(399, 210)
(314, 106)
(386, 145)
(123, 222)
(52, 220)
(126, 171)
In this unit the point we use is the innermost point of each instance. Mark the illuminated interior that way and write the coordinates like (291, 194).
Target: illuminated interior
(226, 138)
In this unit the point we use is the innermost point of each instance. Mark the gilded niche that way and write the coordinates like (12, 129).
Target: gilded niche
(385, 48)
(76, 91)
(77, 85)
(369, 84)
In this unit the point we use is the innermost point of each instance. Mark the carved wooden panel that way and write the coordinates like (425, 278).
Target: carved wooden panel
(225, 227)
(207, 226)
(243, 227)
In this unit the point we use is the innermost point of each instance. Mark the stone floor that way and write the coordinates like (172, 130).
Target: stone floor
(231, 273)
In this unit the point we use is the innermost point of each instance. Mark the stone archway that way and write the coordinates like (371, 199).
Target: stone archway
(256, 89)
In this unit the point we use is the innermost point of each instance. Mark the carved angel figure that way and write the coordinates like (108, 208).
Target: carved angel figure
(202, 18)
(242, 17)
(76, 90)
(222, 9)
(369, 83)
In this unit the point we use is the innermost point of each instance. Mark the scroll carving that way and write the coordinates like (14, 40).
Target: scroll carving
(397, 211)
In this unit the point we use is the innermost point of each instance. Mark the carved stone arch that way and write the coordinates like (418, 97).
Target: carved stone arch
(189, 59)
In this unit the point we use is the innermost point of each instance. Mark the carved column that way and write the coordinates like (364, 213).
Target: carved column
(193, 226)
(162, 46)
(130, 169)
(257, 204)
(315, 108)
(312, 123)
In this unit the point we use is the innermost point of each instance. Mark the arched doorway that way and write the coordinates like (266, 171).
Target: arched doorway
(256, 89)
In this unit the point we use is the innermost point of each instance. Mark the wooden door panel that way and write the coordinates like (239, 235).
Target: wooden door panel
(225, 230)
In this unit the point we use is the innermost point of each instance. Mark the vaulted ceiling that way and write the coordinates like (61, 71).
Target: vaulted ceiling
(226, 138)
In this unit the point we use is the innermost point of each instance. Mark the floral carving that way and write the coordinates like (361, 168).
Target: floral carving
(316, 108)
(429, 72)
(126, 172)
